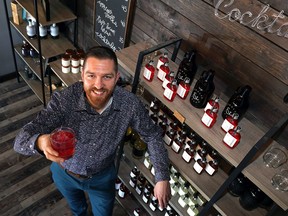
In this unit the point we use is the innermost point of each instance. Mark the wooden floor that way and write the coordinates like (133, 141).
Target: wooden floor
(26, 187)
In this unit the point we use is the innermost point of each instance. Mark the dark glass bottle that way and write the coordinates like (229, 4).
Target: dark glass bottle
(187, 67)
(251, 198)
(203, 89)
(238, 103)
(238, 185)
(25, 49)
(139, 148)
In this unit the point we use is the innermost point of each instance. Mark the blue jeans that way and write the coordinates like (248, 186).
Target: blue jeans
(100, 189)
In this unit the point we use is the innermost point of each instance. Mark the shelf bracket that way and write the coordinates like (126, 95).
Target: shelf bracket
(176, 42)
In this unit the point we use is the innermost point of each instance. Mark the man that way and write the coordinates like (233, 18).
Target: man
(99, 112)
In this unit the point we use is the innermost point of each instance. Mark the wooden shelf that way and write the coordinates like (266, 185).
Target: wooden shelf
(129, 203)
(204, 184)
(35, 85)
(49, 47)
(29, 61)
(256, 171)
(123, 174)
(69, 78)
(58, 11)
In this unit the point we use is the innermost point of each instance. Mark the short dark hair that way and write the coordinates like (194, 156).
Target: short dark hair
(102, 52)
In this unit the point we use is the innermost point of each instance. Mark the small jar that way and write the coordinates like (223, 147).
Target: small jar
(169, 137)
(200, 165)
(188, 155)
(146, 196)
(134, 172)
(153, 203)
(65, 60)
(147, 163)
(139, 188)
(25, 49)
(75, 70)
(65, 69)
(117, 184)
(177, 145)
(122, 191)
(211, 167)
(70, 52)
(183, 190)
(75, 61)
(175, 188)
(133, 182)
(82, 58)
(200, 153)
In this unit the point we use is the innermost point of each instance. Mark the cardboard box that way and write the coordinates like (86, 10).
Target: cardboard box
(17, 18)
(16, 8)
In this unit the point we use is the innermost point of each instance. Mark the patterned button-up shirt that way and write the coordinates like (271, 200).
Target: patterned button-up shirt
(98, 135)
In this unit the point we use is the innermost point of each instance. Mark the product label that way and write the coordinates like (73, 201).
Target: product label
(168, 93)
(181, 202)
(167, 140)
(207, 120)
(197, 156)
(147, 163)
(136, 213)
(229, 140)
(226, 126)
(159, 63)
(161, 74)
(138, 190)
(121, 193)
(144, 198)
(152, 207)
(147, 73)
(210, 170)
(181, 91)
(208, 106)
(175, 147)
(197, 167)
(164, 84)
(186, 157)
(152, 171)
(132, 183)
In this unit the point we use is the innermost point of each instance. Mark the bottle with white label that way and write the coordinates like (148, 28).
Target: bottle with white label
(212, 167)
(171, 90)
(30, 29)
(163, 71)
(175, 188)
(168, 79)
(230, 122)
(183, 88)
(183, 190)
(200, 165)
(149, 71)
(183, 200)
(232, 137)
(122, 191)
(177, 144)
(209, 117)
(54, 31)
(188, 155)
(169, 137)
(162, 59)
(212, 103)
(153, 203)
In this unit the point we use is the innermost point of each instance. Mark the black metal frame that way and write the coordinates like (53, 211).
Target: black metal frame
(176, 42)
(272, 133)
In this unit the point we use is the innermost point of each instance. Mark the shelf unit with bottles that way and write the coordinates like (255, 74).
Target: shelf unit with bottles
(255, 171)
(46, 48)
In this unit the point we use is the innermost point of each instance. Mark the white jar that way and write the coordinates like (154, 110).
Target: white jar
(65, 60)
(75, 70)
(75, 61)
(65, 69)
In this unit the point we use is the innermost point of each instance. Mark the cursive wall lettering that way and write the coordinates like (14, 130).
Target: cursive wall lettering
(261, 21)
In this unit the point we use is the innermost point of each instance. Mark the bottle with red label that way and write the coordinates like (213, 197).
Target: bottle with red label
(184, 88)
(232, 137)
(212, 103)
(230, 122)
(163, 71)
(168, 79)
(149, 71)
(209, 117)
(162, 60)
(171, 90)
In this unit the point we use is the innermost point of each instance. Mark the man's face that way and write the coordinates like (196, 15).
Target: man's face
(99, 79)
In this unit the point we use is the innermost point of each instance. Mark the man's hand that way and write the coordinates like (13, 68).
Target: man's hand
(162, 192)
(43, 143)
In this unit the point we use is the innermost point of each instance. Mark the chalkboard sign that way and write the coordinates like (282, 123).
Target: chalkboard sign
(112, 21)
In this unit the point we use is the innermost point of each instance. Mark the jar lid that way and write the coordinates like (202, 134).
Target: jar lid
(75, 57)
(70, 51)
(65, 56)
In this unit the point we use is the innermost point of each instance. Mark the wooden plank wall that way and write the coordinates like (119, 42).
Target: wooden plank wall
(240, 54)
